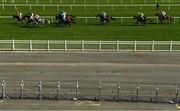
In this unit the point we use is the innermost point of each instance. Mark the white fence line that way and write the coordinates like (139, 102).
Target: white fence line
(44, 6)
(97, 1)
(95, 46)
(92, 5)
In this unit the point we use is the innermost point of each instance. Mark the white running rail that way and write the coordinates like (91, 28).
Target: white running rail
(96, 1)
(89, 46)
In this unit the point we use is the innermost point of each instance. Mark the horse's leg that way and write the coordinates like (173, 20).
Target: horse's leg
(172, 19)
(108, 21)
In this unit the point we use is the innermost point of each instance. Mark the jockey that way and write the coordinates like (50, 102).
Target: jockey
(31, 16)
(36, 17)
(141, 15)
(103, 14)
(163, 14)
(63, 15)
(19, 14)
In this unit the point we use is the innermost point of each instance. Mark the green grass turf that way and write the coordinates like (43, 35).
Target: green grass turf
(91, 31)
(95, 1)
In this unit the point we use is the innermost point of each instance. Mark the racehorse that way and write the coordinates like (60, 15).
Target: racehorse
(18, 19)
(70, 19)
(105, 20)
(167, 17)
(42, 22)
(33, 22)
(141, 20)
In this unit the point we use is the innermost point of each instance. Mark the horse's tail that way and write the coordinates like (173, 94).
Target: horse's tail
(56, 16)
(72, 16)
(113, 18)
(13, 16)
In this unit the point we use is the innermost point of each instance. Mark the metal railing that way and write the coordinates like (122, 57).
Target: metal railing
(86, 46)
(59, 90)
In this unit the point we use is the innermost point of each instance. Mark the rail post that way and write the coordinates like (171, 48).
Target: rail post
(121, 20)
(86, 20)
(169, 6)
(13, 45)
(118, 87)
(140, 7)
(157, 92)
(3, 89)
(57, 8)
(117, 45)
(137, 92)
(77, 87)
(135, 46)
(26, 1)
(85, 7)
(3, 7)
(48, 46)
(177, 91)
(152, 47)
(82, 45)
(157, 20)
(112, 7)
(65, 45)
(100, 46)
(21, 89)
(30, 7)
(30, 45)
(71, 7)
(43, 7)
(15, 7)
(125, 7)
(100, 86)
(59, 89)
(40, 90)
(170, 47)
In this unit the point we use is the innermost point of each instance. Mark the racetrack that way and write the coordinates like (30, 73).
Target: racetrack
(91, 68)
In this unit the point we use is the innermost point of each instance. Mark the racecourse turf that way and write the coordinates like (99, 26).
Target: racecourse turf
(92, 30)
